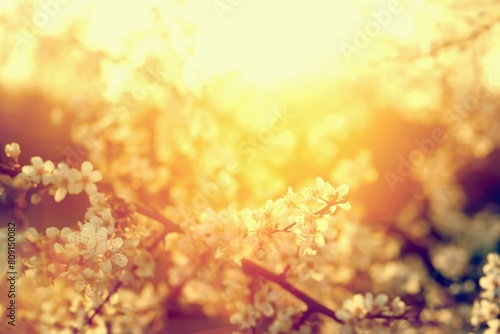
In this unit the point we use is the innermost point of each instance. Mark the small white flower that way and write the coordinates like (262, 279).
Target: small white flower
(92, 282)
(95, 240)
(13, 150)
(359, 306)
(39, 170)
(316, 192)
(60, 181)
(112, 256)
(286, 203)
(398, 306)
(308, 229)
(340, 193)
(84, 179)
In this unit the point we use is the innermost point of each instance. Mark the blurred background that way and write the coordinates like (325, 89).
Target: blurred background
(194, 104)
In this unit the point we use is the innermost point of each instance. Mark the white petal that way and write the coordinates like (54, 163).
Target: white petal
(99, 288)
(46, 179)
(58, 247)
(101, 247)
(321, 225)
(75, 188)
(74, 175)
(60, 194)
(96, 220)
(89, 228)
(105, 266)
(119, 259)
(87, 167)
(116, 244)
(342, 190)
(88, 273)
(311, 251)
(90, 291)
(37, 162)
(63, 168)
(369, 301)
(346, 206)
(31, 234)
(381, 299)
(102, 234)
(302, 251)
(48, 166)
(90, 188)
(80, 285)
(28, 170)
(343, 315)
(65, 231)
(320, 240)
(52, 232)
(95, 176)
(73, 237)
(319, 182)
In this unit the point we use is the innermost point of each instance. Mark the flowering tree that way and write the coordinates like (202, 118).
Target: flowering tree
(112, 249)
(146, 191)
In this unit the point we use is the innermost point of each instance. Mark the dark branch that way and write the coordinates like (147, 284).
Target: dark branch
(312, 305)
(168, 225)
(9, 170)
(98, 310)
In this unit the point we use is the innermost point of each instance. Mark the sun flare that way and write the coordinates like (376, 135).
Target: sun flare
(270, 166)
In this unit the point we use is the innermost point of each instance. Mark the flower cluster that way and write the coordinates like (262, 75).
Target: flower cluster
(75, 254)
(360, 307)
(62, 179)
(87, 255)
(487, 309)
(98, 250)
(308, 217)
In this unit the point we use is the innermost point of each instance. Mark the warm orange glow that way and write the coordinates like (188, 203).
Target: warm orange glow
(172, 156)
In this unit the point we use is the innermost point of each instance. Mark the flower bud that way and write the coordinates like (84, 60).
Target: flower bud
(13, 150)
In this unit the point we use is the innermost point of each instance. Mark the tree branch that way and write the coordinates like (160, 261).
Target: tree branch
(148, 211)
(9, 170)
(99, 308)
(169, 227)
(313, 306)
(254, 269)
(473, 35)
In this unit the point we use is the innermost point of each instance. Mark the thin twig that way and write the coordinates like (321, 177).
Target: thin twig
(473, 35)
(98, 310)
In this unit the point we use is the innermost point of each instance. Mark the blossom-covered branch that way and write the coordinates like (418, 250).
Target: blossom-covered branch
(254, 269)
(366, 308)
